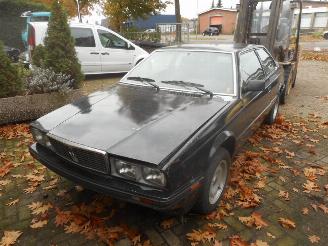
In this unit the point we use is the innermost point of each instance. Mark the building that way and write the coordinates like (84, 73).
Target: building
(314, 4)
(218, 16)
(151, 22)
(313, 19)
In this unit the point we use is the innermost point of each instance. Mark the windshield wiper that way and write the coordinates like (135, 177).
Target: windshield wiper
(189, 84)
(145, 81)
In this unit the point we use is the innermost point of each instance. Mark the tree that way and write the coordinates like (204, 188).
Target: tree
(219, 5)
(120, 11)
(71, 6)
(10, 81)
(212, 5)
(59, 51)
(179, 21)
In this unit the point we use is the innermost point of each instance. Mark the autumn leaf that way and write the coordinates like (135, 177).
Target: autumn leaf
(287, 223)
(4, 170)
(270, 235)
(38, 224)
(254, 220)
(136, 240)
(218, 225)
(284, 195)
(14, 202)
(10, 238)
(324, 208)
(305, 211)
(237, 241)
(4, 182)
(310, 186)
(259, 243)
(167, 224)
(201, 236)
(39, 208)
(314, 239)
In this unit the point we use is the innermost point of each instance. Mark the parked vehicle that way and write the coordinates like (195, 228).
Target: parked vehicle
(33, 17)
(99, 49)
(165, 136)
(12, 53)
(150, 30)
(212, 31)
(325, 35)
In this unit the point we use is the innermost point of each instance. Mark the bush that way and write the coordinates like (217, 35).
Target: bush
(10, 80)
(59, 52)
(38, 55)
(44, 80)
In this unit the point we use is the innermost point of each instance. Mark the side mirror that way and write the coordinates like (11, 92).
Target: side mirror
(255, 85)
(130, 47)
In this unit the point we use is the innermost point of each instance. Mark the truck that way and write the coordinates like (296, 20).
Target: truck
(99, 49)
(275, 24)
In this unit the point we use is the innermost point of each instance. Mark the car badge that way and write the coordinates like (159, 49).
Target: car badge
(73, 156)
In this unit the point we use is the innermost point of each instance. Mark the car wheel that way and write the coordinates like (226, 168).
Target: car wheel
(272, 116)
(325, 36)
(215, 183)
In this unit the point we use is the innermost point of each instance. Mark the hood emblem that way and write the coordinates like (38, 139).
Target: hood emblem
(73, 156)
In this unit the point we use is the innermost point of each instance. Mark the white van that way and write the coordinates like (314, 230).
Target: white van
(98, 49)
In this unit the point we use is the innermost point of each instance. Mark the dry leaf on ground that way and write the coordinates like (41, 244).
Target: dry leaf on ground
(10, 238)
(314, 239)
(14, 202)
(38, 224)
(287, 223)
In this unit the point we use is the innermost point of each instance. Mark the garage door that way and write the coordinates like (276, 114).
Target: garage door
(216, 20)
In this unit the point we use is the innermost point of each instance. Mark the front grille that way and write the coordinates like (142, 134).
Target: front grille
(82, 156)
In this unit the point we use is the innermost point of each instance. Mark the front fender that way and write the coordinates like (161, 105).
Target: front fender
(225, 139)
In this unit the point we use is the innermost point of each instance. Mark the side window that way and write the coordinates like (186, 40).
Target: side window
(109, 40)
(250, 67)
(83, 37)
(269, 64)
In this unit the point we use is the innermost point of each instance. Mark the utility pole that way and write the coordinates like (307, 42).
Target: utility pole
(78, 11)
(178, 38)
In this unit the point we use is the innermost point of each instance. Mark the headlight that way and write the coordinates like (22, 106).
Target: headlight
(154, 176)
(138, 173)
(40, 137)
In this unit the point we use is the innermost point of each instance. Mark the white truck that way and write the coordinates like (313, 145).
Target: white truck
(99, 50)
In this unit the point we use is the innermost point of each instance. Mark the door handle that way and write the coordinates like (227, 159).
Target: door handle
(94, 53)
(105, 54)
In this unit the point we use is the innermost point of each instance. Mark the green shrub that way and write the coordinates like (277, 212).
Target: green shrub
(38, 55)
(10, 81)
(59, 52)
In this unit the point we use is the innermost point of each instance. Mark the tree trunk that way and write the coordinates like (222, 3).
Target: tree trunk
(179, 21)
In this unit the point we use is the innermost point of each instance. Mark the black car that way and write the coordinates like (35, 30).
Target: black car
(164, 137)
(12, 53)
(212, 31)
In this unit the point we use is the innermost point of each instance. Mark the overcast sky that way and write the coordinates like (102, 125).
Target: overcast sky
(189, 7)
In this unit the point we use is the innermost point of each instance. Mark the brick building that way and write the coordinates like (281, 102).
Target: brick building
(218, 16)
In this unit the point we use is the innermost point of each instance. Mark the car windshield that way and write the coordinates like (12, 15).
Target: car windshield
(212, 71)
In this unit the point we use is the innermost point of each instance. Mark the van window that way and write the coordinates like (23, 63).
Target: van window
(83, 37)
(39, 19)
(109, 40)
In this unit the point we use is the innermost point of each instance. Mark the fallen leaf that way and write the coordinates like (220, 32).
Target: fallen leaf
(305, 211)
(310, 186)
(167, 224)
(10, 238)
(39, 208)
(270, 235)
(324, 208)
(237, 241)
(314, 239)
(315, 207)
(284, 195)
(259, 243)
(287, 223)
(14, 202)
(38, 224)
(218, 225)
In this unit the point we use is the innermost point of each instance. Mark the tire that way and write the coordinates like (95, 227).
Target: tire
(210, 195)
(288, 85)
(325, 36)
(272, 116)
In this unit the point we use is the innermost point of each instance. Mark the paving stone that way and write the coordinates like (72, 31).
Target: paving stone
(286, 241)
(154, 237)
(170, 238)
(234, 223)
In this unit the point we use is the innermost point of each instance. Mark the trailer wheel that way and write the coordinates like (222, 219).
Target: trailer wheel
(288, 80)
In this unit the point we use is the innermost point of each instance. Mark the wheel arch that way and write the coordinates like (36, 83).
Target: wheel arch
(226, 140)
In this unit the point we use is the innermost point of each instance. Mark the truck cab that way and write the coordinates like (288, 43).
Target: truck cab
(33, 17)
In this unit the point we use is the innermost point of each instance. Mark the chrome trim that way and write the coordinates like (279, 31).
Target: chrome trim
(82, 147)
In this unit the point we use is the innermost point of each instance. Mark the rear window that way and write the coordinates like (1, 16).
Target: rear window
(39, 19)
(83, 37)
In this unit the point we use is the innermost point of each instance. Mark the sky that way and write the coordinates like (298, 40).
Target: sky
(189, 7)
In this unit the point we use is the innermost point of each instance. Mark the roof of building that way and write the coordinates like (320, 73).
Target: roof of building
(232, 47)
(224, 9)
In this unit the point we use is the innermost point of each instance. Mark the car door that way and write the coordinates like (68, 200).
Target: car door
(253, 103)
(117, 55)
(87, 51)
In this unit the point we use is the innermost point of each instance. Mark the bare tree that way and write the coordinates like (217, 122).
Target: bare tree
(179, 21)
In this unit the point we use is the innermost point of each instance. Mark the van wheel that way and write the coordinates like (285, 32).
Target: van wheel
(272, 116)
(215, 183)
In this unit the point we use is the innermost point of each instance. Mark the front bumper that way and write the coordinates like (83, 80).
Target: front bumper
(115, 187)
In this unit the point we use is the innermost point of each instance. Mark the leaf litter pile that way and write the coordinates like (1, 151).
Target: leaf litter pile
(278, 169)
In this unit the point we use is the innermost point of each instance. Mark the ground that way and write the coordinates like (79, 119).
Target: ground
(277, 194)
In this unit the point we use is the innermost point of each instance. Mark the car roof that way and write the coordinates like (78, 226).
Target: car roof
(230, 47)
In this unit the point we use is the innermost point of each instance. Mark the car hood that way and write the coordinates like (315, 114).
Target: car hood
(133, 122)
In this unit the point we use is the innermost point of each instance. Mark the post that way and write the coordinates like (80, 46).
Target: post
(179, 21)
(78, 11)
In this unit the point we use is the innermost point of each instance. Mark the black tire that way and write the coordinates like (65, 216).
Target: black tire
(283, 96)
(325, 36)
(272, 116)
(203, 204)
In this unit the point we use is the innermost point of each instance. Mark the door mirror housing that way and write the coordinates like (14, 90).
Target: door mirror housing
(255, 85)
(130, 46)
